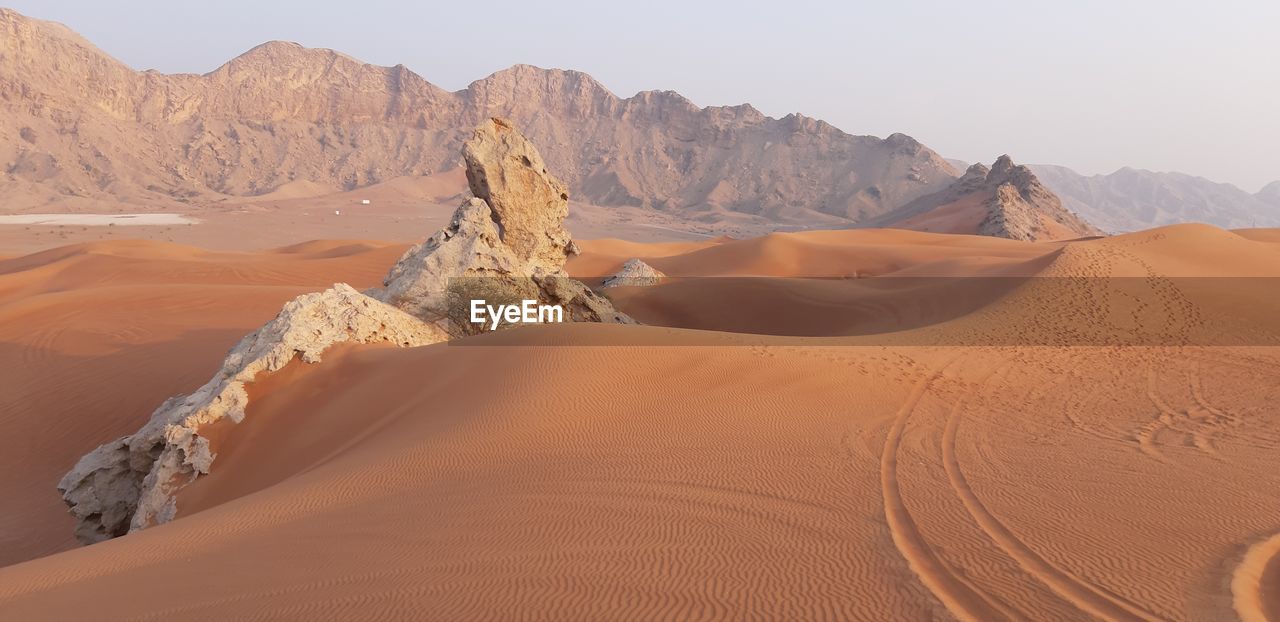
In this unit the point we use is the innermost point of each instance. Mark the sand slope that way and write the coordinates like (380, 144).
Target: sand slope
(93, 337)
(525, 476)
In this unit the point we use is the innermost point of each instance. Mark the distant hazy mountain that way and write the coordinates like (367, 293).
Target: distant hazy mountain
(1270, 194)
(1131, 199)
(1006, 201)
(77, 126)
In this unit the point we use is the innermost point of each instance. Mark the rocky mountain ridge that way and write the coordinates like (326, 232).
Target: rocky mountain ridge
(1006, 200)
(81, 127)
(1133, 199)
(1270, 194)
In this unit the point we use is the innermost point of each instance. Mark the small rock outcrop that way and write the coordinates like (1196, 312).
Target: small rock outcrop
(508, 242)
(129, 483)
(634, 273)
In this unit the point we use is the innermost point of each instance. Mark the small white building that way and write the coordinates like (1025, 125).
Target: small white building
(364, 201)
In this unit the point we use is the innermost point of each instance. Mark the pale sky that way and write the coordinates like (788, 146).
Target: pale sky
(1167, 85)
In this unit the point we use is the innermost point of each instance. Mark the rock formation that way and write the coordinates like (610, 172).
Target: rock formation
(634, 273)
(506, 171)
(77, 126)
(129, 483)
(517, 251)
(1006, 200)
(507, 244)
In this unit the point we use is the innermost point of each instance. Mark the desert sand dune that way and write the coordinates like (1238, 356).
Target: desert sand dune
(95, 336)
(530, 474)
(1261, 235)
(699, 499)
(604, 257)
(856, 252)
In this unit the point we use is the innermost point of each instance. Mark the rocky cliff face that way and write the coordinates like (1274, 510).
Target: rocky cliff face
(78, 125)
(1006, 200)
(517, 251)
(1023, 209)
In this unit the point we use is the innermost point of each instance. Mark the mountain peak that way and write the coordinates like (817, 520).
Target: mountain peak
(36, 34)
(1270, 194)
(521, 72)
(519, 90)
(1006, 200)
(1003, 166)
(12, 17)
(277, 56)
(974, 177)
(903, 143)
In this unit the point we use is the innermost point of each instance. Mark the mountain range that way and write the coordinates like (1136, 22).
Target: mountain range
(81, 131)
(80, 126)
(1132, 199)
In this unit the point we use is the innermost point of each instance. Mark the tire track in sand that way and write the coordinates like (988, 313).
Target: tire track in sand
(1171, 420)
(960, 597)
(1084, 596)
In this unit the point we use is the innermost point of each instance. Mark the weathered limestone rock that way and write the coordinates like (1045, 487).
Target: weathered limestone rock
(507, 244)
(634, 273)
(529, 205)
(468, 260)
(130, 483)
(470, 245)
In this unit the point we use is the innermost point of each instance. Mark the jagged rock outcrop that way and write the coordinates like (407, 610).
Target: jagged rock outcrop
(77, 126)
(516, 252)
(634, 273)
(507, 244)
(530, 205)
(1022, 208)
(1005, 200)
(129, 483)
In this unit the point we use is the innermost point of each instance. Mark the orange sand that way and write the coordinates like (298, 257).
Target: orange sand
(831, 480)
(93, 337)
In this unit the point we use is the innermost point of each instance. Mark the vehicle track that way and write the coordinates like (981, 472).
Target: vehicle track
(961, 597)
(1086, 597)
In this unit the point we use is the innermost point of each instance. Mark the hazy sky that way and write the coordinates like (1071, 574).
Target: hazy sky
(1094, 85)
